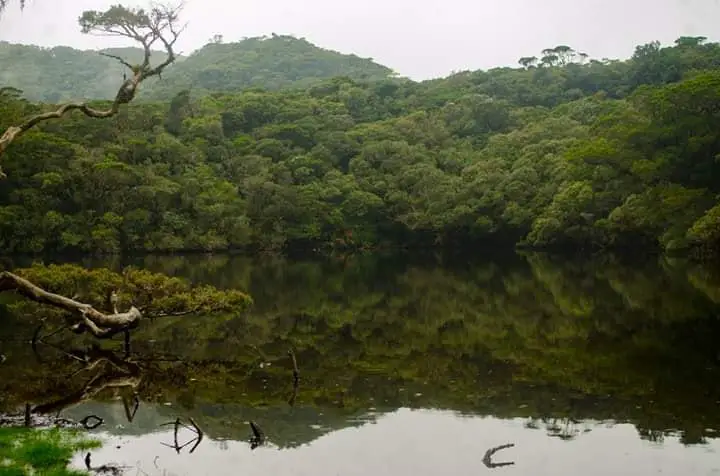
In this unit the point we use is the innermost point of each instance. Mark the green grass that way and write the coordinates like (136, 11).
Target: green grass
(42, 452)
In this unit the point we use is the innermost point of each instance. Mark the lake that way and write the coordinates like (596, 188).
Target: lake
(412, 366)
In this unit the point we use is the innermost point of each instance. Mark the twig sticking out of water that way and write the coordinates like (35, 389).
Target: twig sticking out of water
(194, 428)
(110, 469)
(126, 343)
(296, 371)
(29, 419)
(199, 433)
(487, 459)
(296, 378)
(130, 412)
(97, 421)
(258, 437)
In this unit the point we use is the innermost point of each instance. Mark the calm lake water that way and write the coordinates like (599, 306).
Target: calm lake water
(407, 367)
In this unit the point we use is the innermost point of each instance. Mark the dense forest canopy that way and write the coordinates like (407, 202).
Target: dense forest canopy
(65, 74)
(562, 151)
(274, 62)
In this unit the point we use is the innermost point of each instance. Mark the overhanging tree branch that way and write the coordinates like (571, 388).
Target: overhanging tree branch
(119, 59)
(147, 295)
(99, 324)
(160, 23)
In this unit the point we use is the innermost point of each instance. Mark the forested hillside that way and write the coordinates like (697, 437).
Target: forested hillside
(271, 63)
(62, 73)
(564, 151)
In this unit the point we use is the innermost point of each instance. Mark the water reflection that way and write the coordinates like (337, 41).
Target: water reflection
(427, 442)
(593, 364)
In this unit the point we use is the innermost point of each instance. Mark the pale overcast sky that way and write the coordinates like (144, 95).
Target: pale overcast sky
(417, 38)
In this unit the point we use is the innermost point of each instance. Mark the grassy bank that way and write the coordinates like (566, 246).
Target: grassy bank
(26, 451)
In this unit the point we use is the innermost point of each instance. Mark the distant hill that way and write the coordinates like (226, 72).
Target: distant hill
(276, 62)
(273, 63)
(62, 73)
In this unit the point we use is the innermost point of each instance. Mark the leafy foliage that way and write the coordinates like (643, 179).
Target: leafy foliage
(565, 152)
(153, 293)
(275, 62)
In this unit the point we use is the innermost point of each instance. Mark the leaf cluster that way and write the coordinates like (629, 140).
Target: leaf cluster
(155, 294)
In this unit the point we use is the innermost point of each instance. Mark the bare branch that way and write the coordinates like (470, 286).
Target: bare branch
(487, 459)
(258, 438)
(164, 18)
(176, 314)
(296, 371)
(96, 422)
(122, 61)
(107, 377)
(296, 378)
(199, 433)
(195, 428)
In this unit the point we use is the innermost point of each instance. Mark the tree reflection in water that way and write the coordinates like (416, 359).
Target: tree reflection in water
(559, 343)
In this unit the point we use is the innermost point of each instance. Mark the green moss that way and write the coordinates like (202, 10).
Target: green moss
(47, 452)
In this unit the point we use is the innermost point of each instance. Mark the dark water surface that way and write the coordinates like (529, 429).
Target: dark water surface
(407, 367)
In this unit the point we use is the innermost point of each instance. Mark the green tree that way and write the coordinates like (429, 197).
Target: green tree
(599, 153)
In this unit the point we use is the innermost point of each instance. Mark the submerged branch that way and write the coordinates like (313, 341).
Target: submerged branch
(296, 371)
(296, 378)
(108, 469)
(199, 435)
(95, 386)
(487, 459)
(111, 372)
(258, 438)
